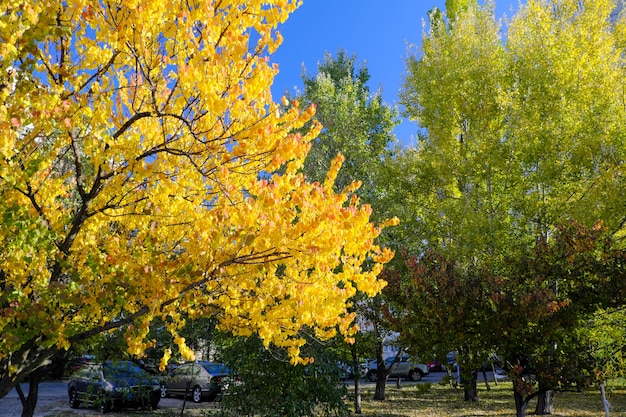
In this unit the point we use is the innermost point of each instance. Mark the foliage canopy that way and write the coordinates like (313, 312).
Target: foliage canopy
(523, 150)
(140, 146)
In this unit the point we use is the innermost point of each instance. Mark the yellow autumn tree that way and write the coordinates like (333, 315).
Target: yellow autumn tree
(139, 151)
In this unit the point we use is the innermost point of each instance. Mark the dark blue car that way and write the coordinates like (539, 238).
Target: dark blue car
(112, 385)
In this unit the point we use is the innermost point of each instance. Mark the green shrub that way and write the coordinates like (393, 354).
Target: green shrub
(423, 388)
(268, 385)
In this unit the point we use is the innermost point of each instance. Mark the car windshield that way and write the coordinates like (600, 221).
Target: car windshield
(394, 358)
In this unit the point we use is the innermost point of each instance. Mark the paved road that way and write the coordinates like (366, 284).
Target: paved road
(435, 378)
(53, 398)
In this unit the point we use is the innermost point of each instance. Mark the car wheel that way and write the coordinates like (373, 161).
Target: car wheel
(372, 376)
(196, 394)
(154, 403)
(164, 392)
(415, 375)
(74, 403)
(103, 404)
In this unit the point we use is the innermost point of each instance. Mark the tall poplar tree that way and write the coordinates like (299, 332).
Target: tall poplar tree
(357, 124)
(522, 134)
(355, 121)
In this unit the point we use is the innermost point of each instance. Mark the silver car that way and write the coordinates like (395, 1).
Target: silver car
(401, 367)
(199, 380)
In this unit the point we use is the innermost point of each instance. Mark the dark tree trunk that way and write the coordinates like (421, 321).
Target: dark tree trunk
(357, 396)
(520, 405)
(379, 392)
(381, 373)
(470, 388)
(182, 409)
(545, 403)
(493, 370)
(29, 402)
(357, 380)
(484, 371)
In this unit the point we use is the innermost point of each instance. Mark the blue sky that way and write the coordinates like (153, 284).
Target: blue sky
(378, 32)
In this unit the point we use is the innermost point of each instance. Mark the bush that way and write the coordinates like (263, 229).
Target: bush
(423, 388)
(270, 386)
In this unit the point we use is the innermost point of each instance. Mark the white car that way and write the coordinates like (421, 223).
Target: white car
(401, 367)
(346, 371)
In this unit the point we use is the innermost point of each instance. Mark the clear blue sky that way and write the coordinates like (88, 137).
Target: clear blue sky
(378, 32)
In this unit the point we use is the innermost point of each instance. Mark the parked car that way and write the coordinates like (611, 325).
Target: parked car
(347, 372)
(77, 362)
(113, 384)
(436, 366)
(200, 380)
(223, 376)
(401, 367)
(151, 366)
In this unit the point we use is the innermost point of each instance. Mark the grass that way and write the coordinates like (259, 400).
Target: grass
(424, 400)
(411, 401)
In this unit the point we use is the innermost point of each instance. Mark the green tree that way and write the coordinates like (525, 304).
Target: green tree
(355, 122)
(359, 125)
(545, 329)
(442, 309)
(606, 333)
(522, 134)
(453, 190)
(518, 312)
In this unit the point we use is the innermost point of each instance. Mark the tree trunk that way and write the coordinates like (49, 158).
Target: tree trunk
(452, 378)
(493, 370)
(470, 388)
(379, 392)
(29, 402)
(31, 359)
(357, 396)
(182, 409)
(484, 371)
(381, 372)
(520, 405)
(605, 401)
(356, 370)
(545, 400)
